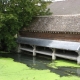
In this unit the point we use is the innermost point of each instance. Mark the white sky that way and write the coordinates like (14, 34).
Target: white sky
(54, 0)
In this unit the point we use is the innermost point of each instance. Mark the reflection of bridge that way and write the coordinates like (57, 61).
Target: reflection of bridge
(42, 64)
(50, 47)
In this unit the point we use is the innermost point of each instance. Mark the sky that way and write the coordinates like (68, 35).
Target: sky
(54, 0)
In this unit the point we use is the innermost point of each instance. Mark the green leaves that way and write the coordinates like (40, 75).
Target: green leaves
(16, 14)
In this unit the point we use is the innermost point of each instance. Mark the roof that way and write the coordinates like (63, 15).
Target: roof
(67, 7)
(65, 18)
(55, 23)
(74, 46)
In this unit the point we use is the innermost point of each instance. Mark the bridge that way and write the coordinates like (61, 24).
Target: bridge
(50, 47)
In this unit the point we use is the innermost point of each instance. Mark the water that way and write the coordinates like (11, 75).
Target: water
(41, 62)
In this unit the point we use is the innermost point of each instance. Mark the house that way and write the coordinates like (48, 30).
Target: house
(61, 30)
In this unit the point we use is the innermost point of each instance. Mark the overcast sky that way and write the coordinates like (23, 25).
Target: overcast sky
(54, 0)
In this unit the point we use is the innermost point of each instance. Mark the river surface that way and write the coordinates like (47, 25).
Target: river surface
(41, 62)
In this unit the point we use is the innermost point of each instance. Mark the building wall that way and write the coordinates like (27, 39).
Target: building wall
(49, 35)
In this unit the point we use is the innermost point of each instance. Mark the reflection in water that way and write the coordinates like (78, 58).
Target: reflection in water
(41, 63)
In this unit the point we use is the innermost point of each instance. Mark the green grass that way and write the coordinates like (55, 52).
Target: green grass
(10, 70)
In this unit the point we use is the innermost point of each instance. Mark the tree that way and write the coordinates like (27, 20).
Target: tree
(16, 14)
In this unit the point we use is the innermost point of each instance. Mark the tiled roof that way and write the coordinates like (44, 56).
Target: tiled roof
(65, 18)
(65, 23)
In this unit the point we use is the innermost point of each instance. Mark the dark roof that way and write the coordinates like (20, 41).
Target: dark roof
(65, 7)
(56, 23)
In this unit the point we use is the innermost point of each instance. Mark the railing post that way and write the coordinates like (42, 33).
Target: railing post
(53, 54)
(34, 50)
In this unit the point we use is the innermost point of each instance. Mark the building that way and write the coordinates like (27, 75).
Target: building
(61, 29)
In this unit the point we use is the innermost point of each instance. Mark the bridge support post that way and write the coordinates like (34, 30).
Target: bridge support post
(78, 58)
(53, 54)
(78, 71)
(34, 60)
(34, 50)
(19, 50)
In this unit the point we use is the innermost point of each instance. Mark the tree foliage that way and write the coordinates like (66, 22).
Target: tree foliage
(16, 14)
